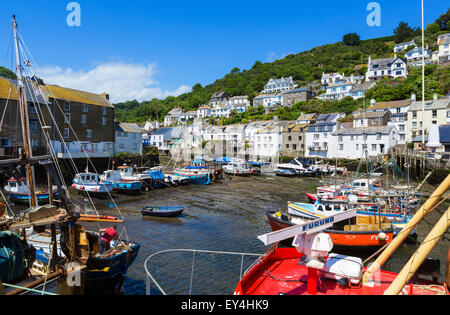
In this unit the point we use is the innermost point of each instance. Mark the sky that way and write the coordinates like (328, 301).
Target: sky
(141, 49)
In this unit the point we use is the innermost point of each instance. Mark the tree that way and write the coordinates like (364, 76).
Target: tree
(442, 21)
(404, 32)
(236, 70)
(351, 39)
(5, 72)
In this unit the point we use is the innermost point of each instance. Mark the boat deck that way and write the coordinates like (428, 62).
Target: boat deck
(280, 274)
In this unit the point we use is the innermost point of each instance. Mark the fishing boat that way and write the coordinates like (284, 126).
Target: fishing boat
(362, 232)
(162, 211)
(128, 174)
(197, 177)
(238, 168)
(19, 192)
(171, 179)
(70, 250)
(90, 183)
(114, 178)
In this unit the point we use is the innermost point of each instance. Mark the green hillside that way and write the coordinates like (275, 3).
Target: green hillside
(306, 68)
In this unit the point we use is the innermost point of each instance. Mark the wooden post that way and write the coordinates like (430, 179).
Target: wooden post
(420, 255)
(398, 240)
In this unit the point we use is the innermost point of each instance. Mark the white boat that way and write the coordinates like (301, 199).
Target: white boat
(90, 183)
(238, 168)
(295, 166)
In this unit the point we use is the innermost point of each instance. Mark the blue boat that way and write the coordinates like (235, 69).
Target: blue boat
(122, 186)
(197, 177)
(162, 211)
(19, 192)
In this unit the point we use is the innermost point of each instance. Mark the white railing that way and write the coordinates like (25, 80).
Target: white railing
(151, 279)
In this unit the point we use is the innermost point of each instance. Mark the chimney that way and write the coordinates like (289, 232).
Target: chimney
(413, 97)
(105, 95)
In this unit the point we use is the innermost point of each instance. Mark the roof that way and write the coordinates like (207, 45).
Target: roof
(166, 132)
(362, 87)
(295, 127)
(442, 103)
(128, 127)
(372, 115)
(297, 91)
(387, 105)
(307, 116)
(71, 95)
(327, 117)
(367, 131)
(444, 133)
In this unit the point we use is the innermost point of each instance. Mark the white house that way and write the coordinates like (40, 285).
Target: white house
(128, 139)
(173, 117)
(352, 143)
(319, 136)
(269, 101)
(386, 68)
(185, 117)
(204, 111)
(330, 78)
(443, 42)
(279, 85)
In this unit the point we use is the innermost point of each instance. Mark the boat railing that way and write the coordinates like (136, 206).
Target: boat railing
(24, 289)
(150, 279)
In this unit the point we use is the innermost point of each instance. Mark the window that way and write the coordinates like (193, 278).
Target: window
(414, 114)
(33, 109)
(341, 147)
(374, 147)
(68, 118)
(316, 137)
(378, 136)
(34, 126)
(105, 111)
(66, 133)
(434, 122)
(434, 113)
(402, 128)
(85, 108)
(67, 107)
(121, 146)
(104, 121)
(90, 134)
(83, 119)
(341, 138)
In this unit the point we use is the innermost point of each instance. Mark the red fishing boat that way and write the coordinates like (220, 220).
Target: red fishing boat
(310, 269)
(348, 236)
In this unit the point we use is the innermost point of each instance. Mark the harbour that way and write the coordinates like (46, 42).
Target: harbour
(222, 217)
(284, 191)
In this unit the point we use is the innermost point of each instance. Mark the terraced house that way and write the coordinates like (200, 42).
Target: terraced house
(82, 123)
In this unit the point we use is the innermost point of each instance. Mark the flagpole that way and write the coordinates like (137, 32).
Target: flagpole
(423, 80)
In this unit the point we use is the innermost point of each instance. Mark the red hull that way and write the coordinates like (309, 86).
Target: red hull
(346, 239)
(278, 272)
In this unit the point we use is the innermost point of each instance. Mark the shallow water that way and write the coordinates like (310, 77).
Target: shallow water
(226, 216)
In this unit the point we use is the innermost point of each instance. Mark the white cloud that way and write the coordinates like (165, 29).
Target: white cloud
(122, 81)
(273, 56)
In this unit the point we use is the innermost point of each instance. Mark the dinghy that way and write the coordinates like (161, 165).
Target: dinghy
(162, 211)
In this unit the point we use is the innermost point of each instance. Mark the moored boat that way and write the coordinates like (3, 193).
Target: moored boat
(19, 192)
(114, 178)
(90, 183)
(162, 211)
(358, 233)
(197, 177)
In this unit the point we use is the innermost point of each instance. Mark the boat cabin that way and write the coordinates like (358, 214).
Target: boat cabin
(112, 176)
(87, 179)
(18, 186)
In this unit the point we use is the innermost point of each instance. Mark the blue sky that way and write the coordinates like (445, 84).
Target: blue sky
(169, 46)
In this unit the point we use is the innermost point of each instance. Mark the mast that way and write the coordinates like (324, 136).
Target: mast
(23, 105)
(423, 81)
